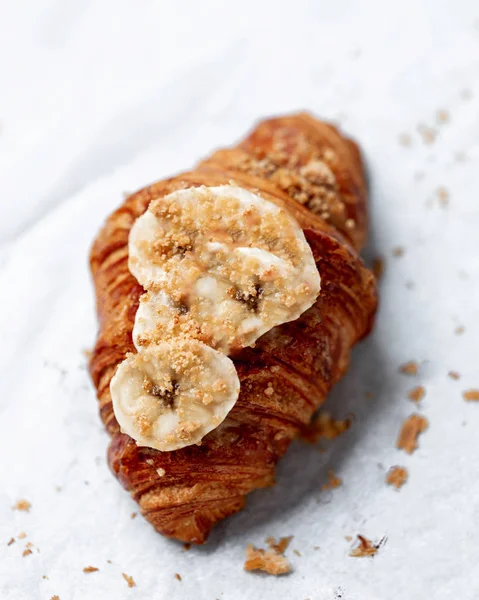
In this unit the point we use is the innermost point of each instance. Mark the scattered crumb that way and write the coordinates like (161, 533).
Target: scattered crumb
(22, 504)
(348, 538)
(297, 552)
(133, 515)
(26, 552)
(417, 394)
(428, 134)
(90, 569)
(398, 251)
(443, 196)
(108, 561)
(324, 426)
(397, 476)
(410, 368)
(178, 576)
(333, 481)
(11, 541)
(280, 545)
(365, 547)
(87, 354)
(471, 395)
(267, 561)
(186, 546)
(378, 267)
(315, 547)
(459, 330)
(442, 116)
(161, 472)
(44, 576)
(405, 139)
(129, 580)
(55, 597)
(410, 430)
(454, 375)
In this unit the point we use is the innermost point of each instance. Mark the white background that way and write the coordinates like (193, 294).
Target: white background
(99, 98)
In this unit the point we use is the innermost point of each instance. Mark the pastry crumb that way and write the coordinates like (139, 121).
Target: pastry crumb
(459, 330)
(11, 541)
(410, 368)
(405, 139)
(90, 569)
(133, 515)
(22, 535)
(454, 375)
(348, 538)
(417, 394)
(267, 561)
(397, 476)
(398, 251)
(129, 580)
(280, 545)
(324, 426)
(315, 547)
(178, 576)
(55, 597)
(378, 267)
(186, 546)
(410, 430)
(297, 552)
(471, 395)
(26, 552)
(22, 504)
(443, 196)
(365, 547)
(442, 116)
(428, 134)
(333, 481)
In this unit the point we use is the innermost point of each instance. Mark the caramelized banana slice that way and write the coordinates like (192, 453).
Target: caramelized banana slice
(220, 264)
(171, 395)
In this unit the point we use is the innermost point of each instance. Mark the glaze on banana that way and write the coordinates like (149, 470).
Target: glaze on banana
(221, 264)
(172, 394)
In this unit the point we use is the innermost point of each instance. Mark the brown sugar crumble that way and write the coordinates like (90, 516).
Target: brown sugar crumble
(378, 267)
(365, 547)
(417, 394)
(454, 375)
(397, 476)
(325, 427)
(90, 569)
(333, 482)
(268, 561)
(178, 576)
(410, 368)
(22, 504)
(471, 395)
(410, 430)
(129, 580)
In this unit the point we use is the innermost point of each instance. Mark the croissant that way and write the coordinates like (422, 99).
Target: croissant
(309, 168)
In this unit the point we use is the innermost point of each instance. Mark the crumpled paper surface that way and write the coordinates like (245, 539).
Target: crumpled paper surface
(102, 98)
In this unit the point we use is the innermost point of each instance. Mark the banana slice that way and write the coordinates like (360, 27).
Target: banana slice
(220, 264)
(171, 395)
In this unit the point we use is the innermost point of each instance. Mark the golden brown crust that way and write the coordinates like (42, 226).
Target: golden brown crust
(301, 360)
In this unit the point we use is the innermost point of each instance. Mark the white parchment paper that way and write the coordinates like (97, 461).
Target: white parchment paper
(101, 98)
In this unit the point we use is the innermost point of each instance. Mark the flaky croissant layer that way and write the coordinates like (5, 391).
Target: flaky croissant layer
(311, 170)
